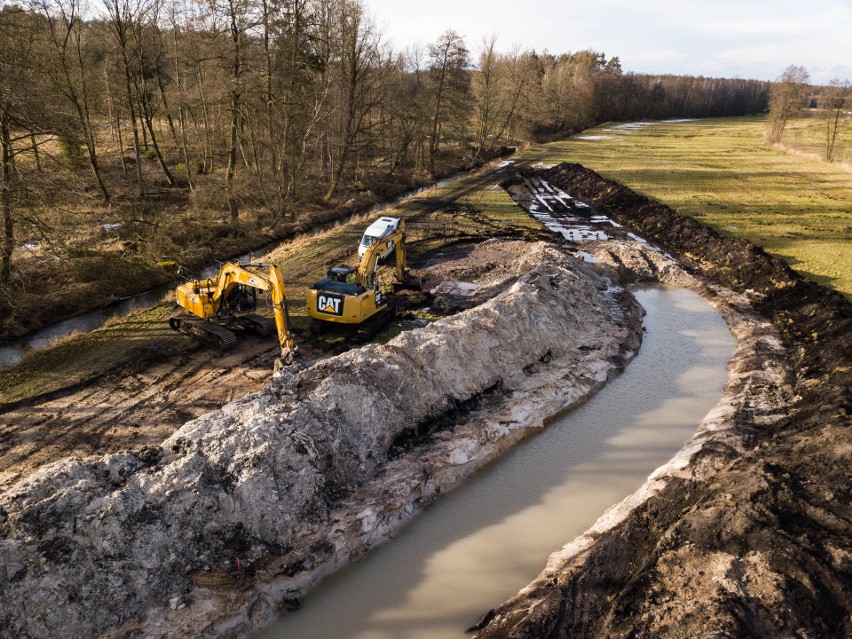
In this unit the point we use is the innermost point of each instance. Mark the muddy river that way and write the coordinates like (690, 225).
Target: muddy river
(487, 539)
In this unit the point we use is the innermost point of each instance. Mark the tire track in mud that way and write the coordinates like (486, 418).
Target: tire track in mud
(129, 411)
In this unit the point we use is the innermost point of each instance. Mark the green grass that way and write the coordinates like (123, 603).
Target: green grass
(720, 171)
(122, 342)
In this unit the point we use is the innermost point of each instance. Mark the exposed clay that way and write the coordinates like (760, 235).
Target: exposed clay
(747, 531)
(241, 510)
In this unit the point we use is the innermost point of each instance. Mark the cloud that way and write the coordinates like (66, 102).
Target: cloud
(747, 39)
(660, 58)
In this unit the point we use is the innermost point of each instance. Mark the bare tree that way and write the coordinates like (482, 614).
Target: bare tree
(239, 17)
(65, 27)
(519, 74)
(19, 109)
(487, 90)
(146, 22)
(359, 65)
(448, 64)
(406, 122)
(833, 102)
(122, 14)
(501, 87)
(786, 97)
(6, 188)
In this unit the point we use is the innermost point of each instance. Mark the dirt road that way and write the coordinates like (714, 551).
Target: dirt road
(126, 410)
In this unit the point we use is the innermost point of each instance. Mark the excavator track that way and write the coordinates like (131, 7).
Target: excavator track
(208, 332)
(263, 326)
(372, 326)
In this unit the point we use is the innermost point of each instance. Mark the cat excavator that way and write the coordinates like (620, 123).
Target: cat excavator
(217, 306)
(353, 296)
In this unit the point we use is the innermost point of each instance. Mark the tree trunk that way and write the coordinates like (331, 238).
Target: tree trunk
(36, 154)
(6, 199)
(115, 117)
(181, 142)
(147, 115)
(230, 173)
(205, 113)
(169, 119)
(121, 36)
(87, 125)
(148, 120)
(136, 149)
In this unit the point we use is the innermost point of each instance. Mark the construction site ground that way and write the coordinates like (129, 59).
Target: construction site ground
(132, 382)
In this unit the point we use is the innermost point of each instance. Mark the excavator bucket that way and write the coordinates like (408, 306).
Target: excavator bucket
(288, 358)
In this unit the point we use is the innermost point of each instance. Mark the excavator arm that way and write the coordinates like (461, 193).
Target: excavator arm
(362, 302)
(370, 259)
(289, 351)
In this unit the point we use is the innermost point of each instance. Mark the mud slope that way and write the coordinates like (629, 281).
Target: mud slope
(240, 510)
(752, 537)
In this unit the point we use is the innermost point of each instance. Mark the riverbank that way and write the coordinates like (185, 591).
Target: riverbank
(746, 532)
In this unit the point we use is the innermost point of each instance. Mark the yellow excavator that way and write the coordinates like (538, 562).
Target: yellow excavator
(349, 295)
(220, 305)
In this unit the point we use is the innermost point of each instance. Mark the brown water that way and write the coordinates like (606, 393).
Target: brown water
(481, 543)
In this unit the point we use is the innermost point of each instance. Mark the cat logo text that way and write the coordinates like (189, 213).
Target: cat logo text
(330, 304)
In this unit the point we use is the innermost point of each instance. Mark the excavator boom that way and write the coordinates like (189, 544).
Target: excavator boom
(370, 260)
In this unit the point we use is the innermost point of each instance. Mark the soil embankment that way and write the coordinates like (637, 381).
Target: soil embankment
(240, 510)
(747, 533)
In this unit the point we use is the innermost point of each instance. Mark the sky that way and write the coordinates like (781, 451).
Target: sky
(753, 39)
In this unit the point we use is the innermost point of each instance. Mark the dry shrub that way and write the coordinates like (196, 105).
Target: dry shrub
(208, 194)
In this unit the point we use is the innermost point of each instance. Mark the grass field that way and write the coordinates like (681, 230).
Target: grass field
(720, 171)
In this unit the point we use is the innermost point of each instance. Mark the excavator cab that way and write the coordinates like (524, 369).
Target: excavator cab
(344, 274)
(241, 299)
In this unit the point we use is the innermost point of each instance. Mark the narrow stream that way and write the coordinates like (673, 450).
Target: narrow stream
(12, 354)
(487, 539)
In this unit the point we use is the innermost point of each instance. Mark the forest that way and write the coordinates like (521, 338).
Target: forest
(140, 134)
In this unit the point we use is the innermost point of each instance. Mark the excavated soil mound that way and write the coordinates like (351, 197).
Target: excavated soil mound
(752, 540)
(240, 510)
